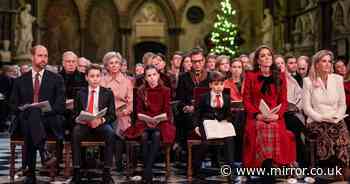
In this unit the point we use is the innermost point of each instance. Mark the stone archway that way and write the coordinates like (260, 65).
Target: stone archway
(152, 21)
(148, 46)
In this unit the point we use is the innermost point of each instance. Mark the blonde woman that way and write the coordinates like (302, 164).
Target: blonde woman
(122, 89)
(324, 104)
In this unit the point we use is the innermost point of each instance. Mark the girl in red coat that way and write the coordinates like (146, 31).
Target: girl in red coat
(152, 99)
(266, 140)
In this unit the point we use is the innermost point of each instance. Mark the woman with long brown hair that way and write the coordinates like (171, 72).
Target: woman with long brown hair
(266, 141)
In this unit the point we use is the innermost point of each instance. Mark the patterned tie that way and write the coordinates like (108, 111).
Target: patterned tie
(91, 102)
(36, 88)
(218, 101)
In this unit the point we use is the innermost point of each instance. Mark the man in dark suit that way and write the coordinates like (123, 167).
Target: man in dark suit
(93, 99)
(198, 77)
(5, 91)
(38, 85)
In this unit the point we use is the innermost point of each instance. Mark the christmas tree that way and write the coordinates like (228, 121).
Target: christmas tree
(225, 31)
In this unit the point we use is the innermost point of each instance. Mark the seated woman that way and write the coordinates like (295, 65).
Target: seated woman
(235, 84)
(152, 99)
(267, 142)
(122, 89)
(325, 106)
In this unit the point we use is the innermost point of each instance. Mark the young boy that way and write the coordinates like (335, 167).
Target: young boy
(93, 99)
(213, 105)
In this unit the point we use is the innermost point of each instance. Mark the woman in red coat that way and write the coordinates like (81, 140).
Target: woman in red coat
(152, 99)
(266, 140)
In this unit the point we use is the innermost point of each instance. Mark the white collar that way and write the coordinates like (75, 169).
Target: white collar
(97, 89)
(41, 73)
(212, 93)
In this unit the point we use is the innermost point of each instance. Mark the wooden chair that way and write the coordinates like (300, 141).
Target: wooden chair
(193, 142)
(131, 159)
(18, 140)
(193, 139)
(86, 142)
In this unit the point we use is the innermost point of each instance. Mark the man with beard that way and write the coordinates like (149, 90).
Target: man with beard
(38, 85)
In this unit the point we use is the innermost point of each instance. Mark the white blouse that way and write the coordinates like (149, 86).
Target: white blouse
(320, 102)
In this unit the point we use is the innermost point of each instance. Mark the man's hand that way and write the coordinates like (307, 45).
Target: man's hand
(197, 131)
(95, 123)
(188, 109)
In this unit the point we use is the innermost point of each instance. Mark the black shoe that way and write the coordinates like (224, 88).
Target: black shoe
(107, 178)
(76, 177)
(47, 159)
(30, 179)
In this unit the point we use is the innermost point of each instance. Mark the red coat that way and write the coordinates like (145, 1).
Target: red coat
(235, 94)
(252, 96)
(153, 102)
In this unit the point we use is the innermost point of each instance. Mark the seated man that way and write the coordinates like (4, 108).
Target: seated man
(38, 85)
(93, 99)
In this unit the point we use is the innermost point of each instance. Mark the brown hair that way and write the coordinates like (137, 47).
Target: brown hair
(274, 69)
(216, 76)
(93, 67)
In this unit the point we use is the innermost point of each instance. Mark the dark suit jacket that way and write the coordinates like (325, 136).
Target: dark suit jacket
(184, 91)
(51, 89)
(205, 111)
(73, 82)
(105, 99)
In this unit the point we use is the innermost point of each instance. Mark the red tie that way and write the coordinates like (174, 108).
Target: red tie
(218, 102)
(91, 102)
(36, 88)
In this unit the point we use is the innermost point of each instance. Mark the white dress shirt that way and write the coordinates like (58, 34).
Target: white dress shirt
(96, 95)
(213, 99)
(321, 102)
(294, 92)
(41, 73)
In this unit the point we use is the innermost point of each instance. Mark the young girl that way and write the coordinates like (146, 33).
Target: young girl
(152, 99)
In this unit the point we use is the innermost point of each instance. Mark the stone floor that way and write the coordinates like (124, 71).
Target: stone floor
(178, 173)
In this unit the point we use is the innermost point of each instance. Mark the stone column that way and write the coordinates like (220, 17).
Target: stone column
(325, 8)
(124, 45)
(174, 34)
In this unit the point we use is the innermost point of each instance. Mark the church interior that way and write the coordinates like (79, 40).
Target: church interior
(133, 28)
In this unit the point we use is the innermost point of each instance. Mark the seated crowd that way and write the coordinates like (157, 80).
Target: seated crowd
(310, 94)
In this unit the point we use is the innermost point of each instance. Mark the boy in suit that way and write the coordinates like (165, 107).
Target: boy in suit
(93, 99)
(213, 105)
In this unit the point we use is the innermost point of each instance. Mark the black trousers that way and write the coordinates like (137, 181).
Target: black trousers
(34, 127)
(229, 147)
(297, 127)
(150, 149)
(81, 131)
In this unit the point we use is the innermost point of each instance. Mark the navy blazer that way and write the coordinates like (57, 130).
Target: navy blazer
(205, 111)
(51, 89)
(105, 99)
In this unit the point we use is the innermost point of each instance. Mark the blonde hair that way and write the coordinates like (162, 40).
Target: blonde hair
(109, 55)
(69, 53)
(313, 73)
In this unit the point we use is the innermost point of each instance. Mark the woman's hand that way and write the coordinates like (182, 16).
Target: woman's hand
(152, 124)
(271, 117)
